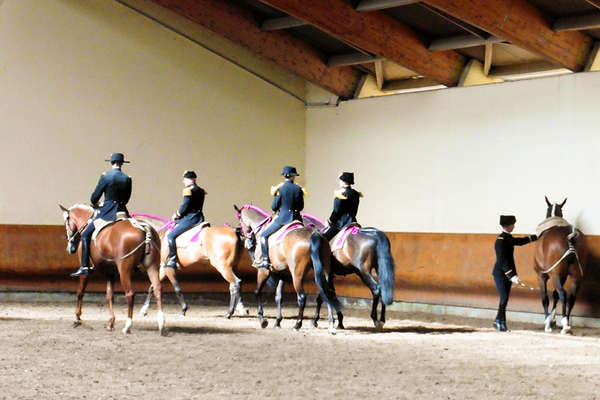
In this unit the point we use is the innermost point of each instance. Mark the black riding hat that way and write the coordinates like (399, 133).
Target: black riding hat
(507, 220)
(289, 171)
(189, 174)
(117, 158)
(347, 177)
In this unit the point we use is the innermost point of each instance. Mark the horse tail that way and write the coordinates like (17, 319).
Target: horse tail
(385, 267)
(321, 279)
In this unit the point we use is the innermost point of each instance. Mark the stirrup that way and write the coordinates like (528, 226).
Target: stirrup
(83, 270)
(173, 262)
(261, 264)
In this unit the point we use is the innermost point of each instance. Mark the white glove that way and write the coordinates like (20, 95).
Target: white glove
(515, 279)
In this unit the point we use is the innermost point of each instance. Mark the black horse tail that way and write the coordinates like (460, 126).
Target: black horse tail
(325, 290)
(385, 267)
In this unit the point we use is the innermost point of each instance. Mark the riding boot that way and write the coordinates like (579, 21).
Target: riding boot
(264, 245)
(84, 269)
(172, 259)
(172, 262)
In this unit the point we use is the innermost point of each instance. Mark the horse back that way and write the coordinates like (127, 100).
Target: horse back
(120, 238)
(553, 244)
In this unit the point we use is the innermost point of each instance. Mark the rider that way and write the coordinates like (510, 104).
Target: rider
(288, 201)
(116, 187)
(188, 215)
(505, 271)
(345, 206)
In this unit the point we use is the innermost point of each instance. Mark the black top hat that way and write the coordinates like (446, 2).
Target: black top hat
(347, 177)
(289, 171)
(189, 174)
(117, 158)
(506, 220)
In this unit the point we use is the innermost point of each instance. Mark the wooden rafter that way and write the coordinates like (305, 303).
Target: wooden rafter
(372, 5)
(523, 25)
(377, 34)
(291, 53)
(595, 3)
(487, 63)
(274, 24)
(461, 42)
(577, 23)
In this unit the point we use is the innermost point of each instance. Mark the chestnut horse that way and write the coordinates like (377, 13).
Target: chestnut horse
(363, 252)
(560, 255)
(297, 251)
(219, 245)
(118, 248)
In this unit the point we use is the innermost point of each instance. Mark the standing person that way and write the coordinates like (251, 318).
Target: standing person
(288, 201)
(345, 206)
(505, 271)
(188, 215)
(116, 187)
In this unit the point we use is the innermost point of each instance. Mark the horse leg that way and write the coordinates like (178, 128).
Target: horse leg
(339, 313)
(109, 302)
(235, 299)
(374, 287)
(544, 296)
(172, 275)
(317, 311)
(83, 280)
(562, 294)
(144, 309)
(155, 281)
(278, 297)
(572, 297)
(261, 278)
(125, 274)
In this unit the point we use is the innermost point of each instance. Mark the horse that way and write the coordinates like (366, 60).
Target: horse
(560, 255)
(297, 251)
(220, 246)
(118, 248)
(364, 250)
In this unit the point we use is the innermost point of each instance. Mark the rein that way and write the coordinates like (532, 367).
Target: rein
(570, 250)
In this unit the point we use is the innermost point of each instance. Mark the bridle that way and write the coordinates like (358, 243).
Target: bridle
(247, 231)
(71, 236)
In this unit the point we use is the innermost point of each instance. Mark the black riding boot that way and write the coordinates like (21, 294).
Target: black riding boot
(84, 269)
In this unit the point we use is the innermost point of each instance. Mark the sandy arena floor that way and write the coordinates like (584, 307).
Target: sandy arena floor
(204, 356)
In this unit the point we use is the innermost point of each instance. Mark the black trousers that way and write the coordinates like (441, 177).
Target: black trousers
(503, 285)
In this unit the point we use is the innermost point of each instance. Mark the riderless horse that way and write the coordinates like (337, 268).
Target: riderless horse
(560, 255)
(361, 251)
(116, 249)
(294, 247)
(220, 246)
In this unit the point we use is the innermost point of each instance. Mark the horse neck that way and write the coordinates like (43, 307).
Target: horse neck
(80, 215)
(254, 216)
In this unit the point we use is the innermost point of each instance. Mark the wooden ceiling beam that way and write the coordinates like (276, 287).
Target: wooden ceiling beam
(374, 5)
(377, 34)
(595, 3)
(523, 25)
(339, 60)
(289, 52)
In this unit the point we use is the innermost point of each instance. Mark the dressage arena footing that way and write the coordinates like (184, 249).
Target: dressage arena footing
(213, 298)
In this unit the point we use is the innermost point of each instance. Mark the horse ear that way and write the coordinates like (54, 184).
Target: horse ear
(63, 208)
(563, 203)
(548, 201)
(236, 208)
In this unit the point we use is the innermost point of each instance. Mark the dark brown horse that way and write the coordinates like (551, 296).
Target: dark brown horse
(364, 251)
(118, 249)
(560, 255)
(298, 250)
(220, 246)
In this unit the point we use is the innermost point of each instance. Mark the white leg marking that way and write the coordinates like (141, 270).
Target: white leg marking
(127, 328)
(144, 310)
(160, 318)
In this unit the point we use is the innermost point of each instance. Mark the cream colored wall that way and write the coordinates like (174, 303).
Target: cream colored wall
(80, 79)
(452, 160)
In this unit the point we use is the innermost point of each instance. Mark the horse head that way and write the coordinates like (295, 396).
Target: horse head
(554, 210)
(75, 219)
(250, 218)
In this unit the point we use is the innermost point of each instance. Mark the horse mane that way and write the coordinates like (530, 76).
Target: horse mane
(315, 220)
(256, 208)
(81, 205)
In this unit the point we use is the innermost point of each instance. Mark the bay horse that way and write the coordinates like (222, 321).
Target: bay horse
(365, 250)
(560, 255)
(298, 250)
(220, 246)
(118, 249)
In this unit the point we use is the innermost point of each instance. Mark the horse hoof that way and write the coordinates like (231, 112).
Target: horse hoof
(566, 330)
(110, 328)
(76, 324)
(228, 315)
(144, 311)
(264, 323)
(126, 331)
(332, 330)
(548, 329)
(184, 310)
(277, 326)
(315, 324)
(379, 326)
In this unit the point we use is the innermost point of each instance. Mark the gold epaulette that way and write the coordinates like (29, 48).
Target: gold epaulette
(339, 194)
(187, 191)
(275, 189)
(360, 194)
(304, 191)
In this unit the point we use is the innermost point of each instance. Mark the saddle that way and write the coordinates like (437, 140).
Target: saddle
(100, 224)
(550, 222)
(278, 236)
(191, 236)
(337, 242)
